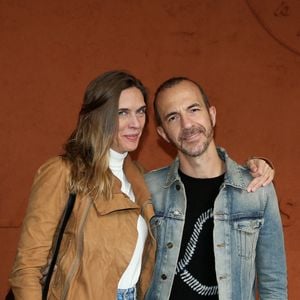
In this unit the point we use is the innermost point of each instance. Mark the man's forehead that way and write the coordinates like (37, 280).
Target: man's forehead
(184, 89)
(183, 96)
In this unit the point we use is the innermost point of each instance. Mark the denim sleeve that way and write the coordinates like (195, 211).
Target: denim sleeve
(270, 259)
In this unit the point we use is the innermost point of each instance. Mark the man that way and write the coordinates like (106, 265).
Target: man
(215, 240)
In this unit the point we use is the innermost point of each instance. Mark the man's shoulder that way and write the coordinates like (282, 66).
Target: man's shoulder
(157, 174)
(236, 175)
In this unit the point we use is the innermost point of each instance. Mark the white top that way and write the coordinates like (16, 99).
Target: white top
(131, 275)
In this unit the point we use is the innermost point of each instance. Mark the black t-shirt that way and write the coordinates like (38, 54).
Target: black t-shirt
(195, 273)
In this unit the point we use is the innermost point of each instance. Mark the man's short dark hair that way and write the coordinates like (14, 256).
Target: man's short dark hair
(169, 84)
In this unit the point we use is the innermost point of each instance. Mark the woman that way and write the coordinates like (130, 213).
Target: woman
(102, 248)
(107, 251)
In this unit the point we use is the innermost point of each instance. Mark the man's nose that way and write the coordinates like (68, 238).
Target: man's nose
(185, 121)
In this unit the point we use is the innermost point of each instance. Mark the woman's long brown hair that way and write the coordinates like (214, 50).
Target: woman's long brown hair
(87, 149)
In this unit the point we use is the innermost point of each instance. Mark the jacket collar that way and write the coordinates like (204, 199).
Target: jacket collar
(172, 175)
(120, 201)
(235, 173)
(234, 176)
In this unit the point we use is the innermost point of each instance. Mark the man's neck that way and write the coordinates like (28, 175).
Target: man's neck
(207, 165)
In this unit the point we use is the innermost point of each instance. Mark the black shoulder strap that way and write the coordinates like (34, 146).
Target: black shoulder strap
(63, 222)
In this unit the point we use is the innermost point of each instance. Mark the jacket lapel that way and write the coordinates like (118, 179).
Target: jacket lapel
(120, 201)
(141, 192)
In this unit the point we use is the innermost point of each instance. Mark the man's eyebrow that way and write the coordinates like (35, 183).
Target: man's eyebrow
(170, 114)
(194, 104)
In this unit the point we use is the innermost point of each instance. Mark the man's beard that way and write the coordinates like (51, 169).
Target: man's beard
(200, 147)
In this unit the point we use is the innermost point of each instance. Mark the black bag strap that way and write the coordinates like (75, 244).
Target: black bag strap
(63, 222)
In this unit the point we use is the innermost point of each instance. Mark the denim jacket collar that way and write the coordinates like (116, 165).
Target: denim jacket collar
(173, 173)
(234, 176)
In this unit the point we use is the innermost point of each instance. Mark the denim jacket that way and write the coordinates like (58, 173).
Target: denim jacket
(248, 237)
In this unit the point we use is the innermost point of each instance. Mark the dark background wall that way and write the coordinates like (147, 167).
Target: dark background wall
(245, 53)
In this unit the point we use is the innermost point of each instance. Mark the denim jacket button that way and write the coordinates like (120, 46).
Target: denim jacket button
(177, 212)
(163, 276)
(170, 245)
(177, 187)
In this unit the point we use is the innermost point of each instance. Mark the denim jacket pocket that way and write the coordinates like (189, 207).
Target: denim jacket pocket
(246, 233)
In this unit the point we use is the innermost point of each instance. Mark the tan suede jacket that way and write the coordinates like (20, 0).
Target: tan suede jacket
(98, 242)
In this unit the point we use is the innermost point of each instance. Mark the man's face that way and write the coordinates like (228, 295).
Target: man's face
(186, 122)
(132, 117)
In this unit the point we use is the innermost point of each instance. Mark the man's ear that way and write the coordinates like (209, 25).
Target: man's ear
(213, 115)
(162, 133)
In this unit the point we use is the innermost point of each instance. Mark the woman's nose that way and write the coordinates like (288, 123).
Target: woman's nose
(134, 122)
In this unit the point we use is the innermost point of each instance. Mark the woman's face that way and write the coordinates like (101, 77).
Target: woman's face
(132, 118)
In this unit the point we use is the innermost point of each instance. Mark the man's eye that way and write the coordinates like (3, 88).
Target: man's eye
(172, 118)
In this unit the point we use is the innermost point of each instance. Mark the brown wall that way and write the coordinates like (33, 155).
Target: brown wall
(245, 53)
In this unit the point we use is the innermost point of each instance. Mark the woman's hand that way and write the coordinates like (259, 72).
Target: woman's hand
(262, 171)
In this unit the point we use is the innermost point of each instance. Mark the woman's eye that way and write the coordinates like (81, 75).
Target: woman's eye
(122, 113)
(142, 111)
